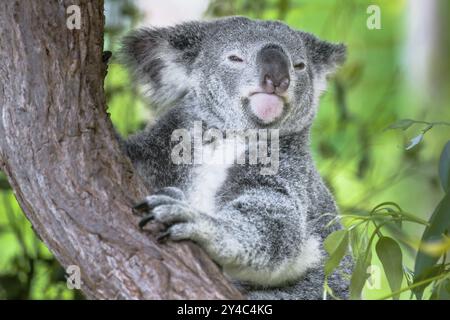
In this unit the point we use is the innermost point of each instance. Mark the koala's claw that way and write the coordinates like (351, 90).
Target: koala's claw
(146, 219)
(171, 211)
(166, 206)
(153, 201)
(163, 236)
(141, 207)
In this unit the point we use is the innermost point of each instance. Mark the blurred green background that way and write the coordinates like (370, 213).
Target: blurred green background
(398, 71)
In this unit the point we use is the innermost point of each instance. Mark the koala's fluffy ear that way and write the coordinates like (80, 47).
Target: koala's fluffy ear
(161, 57)
(325, 56)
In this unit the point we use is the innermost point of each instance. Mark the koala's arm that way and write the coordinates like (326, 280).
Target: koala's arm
(259, 237)
(268, 241)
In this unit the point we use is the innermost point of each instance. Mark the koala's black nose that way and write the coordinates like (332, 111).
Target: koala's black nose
(274, 65)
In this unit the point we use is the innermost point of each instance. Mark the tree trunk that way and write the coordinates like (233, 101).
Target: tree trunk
(60, 155)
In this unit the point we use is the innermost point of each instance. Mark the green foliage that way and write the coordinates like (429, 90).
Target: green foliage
(425, 278)
(336, 246)
(360, 274)
(441, 291)
(389, 217)
(439, 227)
(401, 124)
(444, 168)
(390, 254)
(27, 269)
(404, 124)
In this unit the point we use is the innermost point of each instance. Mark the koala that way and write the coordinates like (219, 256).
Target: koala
(265, 231)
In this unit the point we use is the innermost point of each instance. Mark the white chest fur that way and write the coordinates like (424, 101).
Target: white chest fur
(210, 174)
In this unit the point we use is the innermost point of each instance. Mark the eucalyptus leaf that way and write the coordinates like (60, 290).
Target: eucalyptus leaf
(402, 124)
(430, 272)
(441, 291)
(360, 274)
(439, 223)
(444, 167)
(415, 141)
(336, 246)
(358, 240)
(390, 255)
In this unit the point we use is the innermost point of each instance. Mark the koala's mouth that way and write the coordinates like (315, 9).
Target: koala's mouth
(266, 107)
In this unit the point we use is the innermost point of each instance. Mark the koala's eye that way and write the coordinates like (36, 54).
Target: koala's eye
(300, 66)
(235, 58)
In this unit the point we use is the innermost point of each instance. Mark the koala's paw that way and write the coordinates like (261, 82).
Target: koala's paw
(168, 207)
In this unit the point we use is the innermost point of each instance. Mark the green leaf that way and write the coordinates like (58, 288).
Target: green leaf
(409, 275)
(427, 274)
(439, 225)
(390, 255)
(444, 167)
(360, 274)
(336, 246)
(441, 291)
(358, 239)
(414, 141)
(402, 124)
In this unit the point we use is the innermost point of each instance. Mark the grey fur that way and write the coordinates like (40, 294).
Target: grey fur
(261, 223)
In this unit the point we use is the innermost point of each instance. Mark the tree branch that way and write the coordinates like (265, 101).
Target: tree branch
(64, 164)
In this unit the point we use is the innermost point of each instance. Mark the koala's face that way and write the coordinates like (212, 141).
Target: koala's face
(242, 73)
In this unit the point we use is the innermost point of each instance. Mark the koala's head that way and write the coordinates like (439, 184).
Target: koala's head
(235, 72)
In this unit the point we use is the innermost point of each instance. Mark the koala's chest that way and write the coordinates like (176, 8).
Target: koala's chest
(211, 171)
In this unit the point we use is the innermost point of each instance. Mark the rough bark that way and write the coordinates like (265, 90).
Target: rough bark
(59, 153)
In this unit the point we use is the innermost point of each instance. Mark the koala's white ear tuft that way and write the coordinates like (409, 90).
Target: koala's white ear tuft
(325, 56)
(160, 58)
